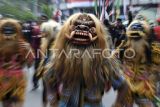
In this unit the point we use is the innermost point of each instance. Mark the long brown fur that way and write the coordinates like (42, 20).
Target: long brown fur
(85, 64)
(139, 48)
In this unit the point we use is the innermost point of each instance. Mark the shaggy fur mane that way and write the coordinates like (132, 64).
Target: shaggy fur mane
(82, 66)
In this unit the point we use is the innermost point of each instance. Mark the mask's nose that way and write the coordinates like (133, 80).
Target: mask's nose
(82, 27)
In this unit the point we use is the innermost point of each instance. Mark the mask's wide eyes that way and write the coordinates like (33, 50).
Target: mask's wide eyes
(137, 26)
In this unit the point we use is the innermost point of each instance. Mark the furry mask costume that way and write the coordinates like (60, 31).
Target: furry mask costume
(80, 68)
(137, 60)
(138, 34)
(9, 32)
(82, 33)
(14, 53)
(48, 32)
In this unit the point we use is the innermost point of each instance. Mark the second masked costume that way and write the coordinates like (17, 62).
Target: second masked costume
(15, 53)
(140, 66)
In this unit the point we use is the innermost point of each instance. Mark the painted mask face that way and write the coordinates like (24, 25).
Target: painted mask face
(83, 30)
(138, 30)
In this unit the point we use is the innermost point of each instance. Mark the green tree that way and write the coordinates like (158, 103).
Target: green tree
(16, 10)
(47, 10)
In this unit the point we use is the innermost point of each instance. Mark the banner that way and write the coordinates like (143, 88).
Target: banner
(117, 6)
(96, 7)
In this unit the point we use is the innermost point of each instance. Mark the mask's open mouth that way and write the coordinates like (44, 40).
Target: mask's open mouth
(83, 31)
(81, 37)
(135, 36)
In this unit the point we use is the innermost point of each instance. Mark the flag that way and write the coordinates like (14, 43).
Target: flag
(125, 3)
(102, 16)
(110, 8)
(107, 9)
(100, 2)
(95, 7)
(117, 6)
(109, 5)
(111, 13)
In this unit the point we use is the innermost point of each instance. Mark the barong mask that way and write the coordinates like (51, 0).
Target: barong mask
(138, 30)
(138, 38)
(82, 30)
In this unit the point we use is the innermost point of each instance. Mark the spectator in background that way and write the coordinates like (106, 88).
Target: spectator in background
(27, 31)
(119, 32)
(110, 30)
(36, 40)
(57, 16)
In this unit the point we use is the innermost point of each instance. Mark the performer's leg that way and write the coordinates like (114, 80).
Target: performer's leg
(35, 81)
(7, 103)
(35, 78)
(44, 97)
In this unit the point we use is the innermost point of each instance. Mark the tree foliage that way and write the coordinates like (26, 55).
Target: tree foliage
(15, 10)
(24, 9)
(47, 10)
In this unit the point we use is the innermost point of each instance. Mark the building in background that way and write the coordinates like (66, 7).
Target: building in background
(64, 8)
(150, 9)
(114, 8)
(69, 7)
(121, 9)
